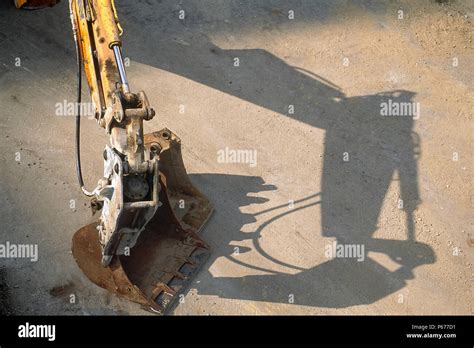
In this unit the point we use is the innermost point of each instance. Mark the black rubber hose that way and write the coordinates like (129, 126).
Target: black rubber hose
(78, 120)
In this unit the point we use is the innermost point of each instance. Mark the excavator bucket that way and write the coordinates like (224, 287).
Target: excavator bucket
(168, 252)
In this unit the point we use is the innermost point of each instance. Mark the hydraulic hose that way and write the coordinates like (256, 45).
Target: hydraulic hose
(78, 105)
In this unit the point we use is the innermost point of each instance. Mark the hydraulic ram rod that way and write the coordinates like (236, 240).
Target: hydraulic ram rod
(121, 68)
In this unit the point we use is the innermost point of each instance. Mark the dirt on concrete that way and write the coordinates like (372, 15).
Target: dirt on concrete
(5, 306)
(300, 86)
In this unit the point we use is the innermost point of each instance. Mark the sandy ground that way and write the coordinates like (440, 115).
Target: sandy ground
(306, 97)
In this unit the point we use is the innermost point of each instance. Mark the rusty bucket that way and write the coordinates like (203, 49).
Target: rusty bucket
(168, 252)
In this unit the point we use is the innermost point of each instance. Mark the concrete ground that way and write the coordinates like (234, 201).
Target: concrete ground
(306, 96)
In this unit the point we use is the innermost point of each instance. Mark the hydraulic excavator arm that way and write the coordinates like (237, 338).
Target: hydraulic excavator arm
(129, 189)
(146, 199)
(144, 179)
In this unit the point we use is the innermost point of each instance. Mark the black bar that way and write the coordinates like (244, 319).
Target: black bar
(243, 329)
